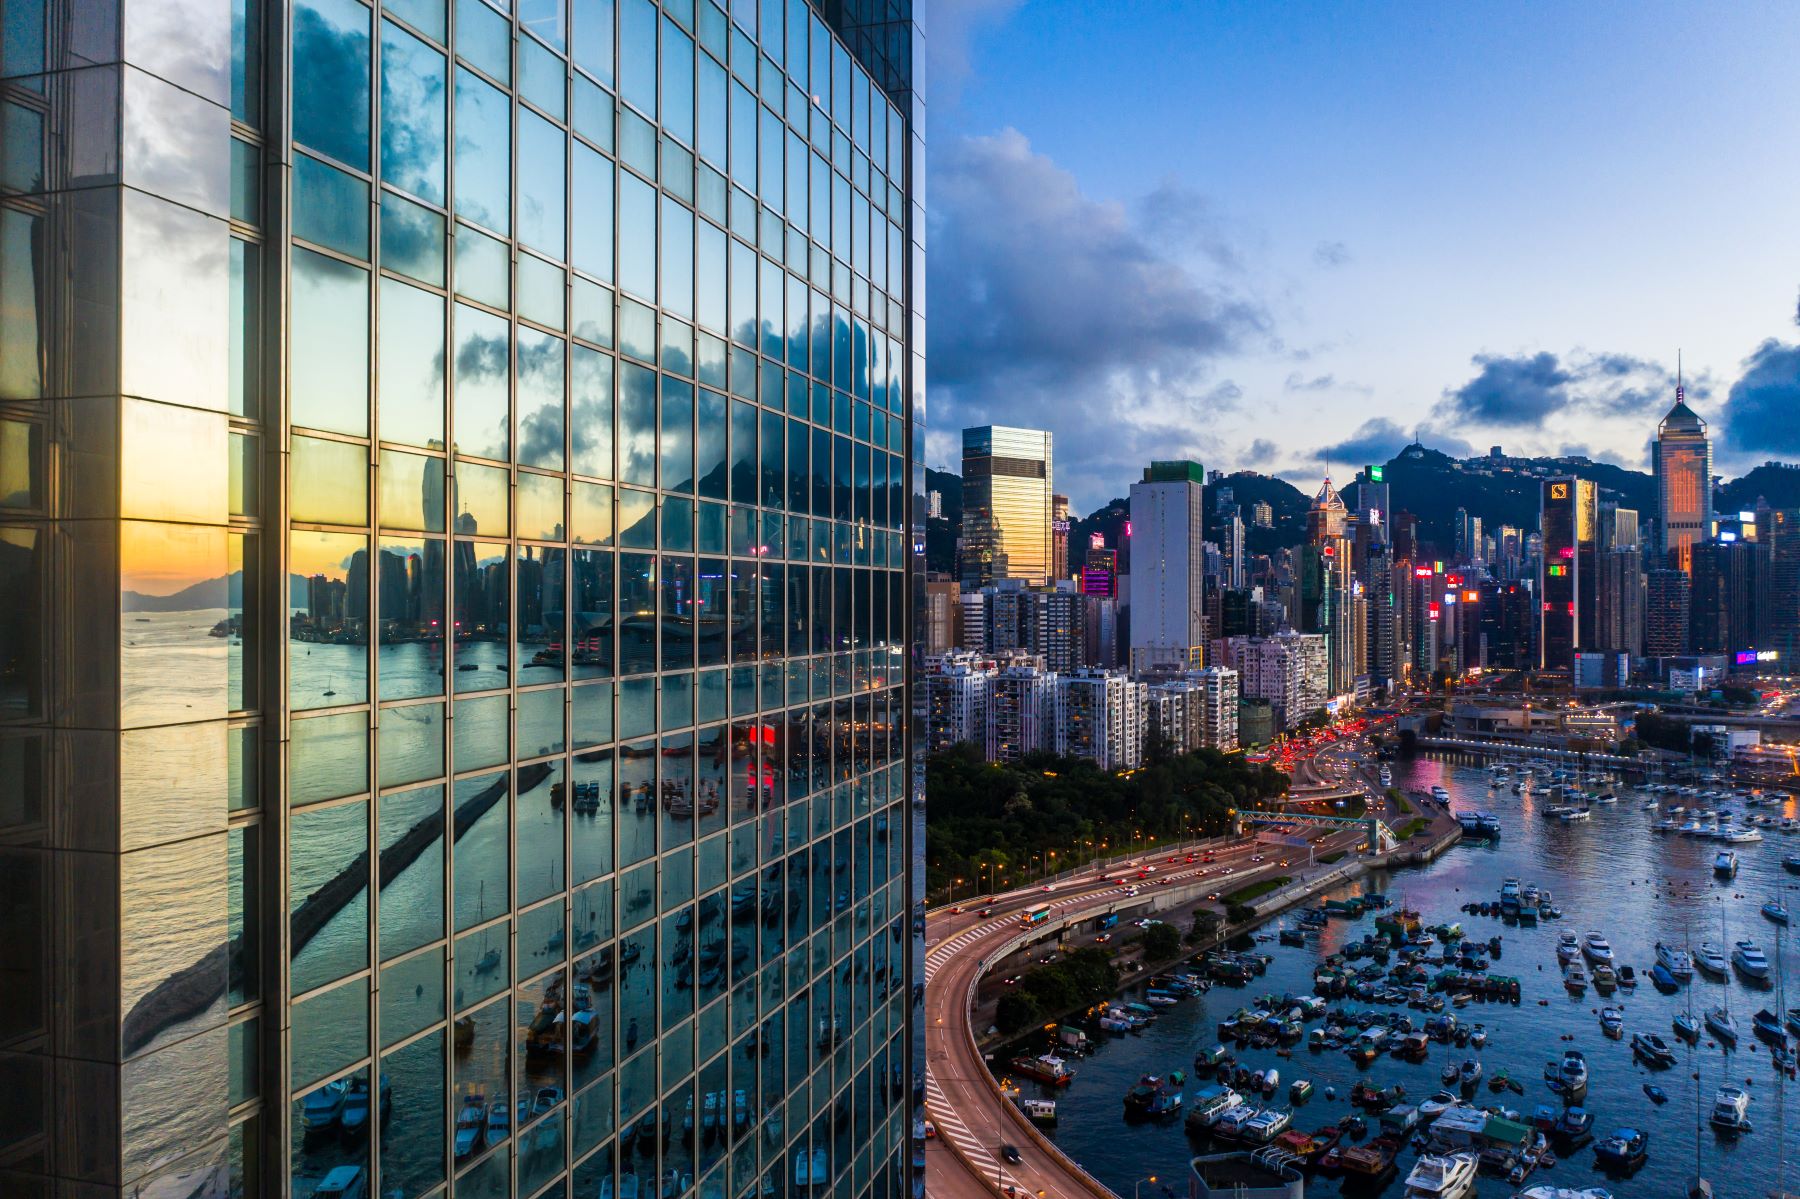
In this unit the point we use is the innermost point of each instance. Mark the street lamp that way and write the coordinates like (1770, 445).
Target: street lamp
(1139, 1183)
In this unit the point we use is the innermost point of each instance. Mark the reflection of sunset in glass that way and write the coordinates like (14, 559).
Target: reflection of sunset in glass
(323, 553)
(158, 559)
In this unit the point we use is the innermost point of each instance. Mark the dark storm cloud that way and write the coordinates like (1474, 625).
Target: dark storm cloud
(1762, 410)
(1526, 390)
(1103, 322)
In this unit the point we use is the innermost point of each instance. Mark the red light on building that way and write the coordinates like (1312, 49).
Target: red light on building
(1421, 572)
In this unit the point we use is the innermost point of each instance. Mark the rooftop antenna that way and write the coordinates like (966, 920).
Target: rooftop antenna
(1679, 389)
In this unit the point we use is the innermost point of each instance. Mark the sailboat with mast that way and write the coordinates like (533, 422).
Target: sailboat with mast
(1719, 1020)
(1698, 1187)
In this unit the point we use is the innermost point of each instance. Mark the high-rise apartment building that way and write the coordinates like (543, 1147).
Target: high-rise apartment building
(943, 616)
(1566, 573)
(1262, 515)
(1099, 716)
(1168, 626)
(1681, 459)
(1007, 480)
(1021, 712)
(1619, 594)
(453, 722)
(1723, 599)
(956, 698)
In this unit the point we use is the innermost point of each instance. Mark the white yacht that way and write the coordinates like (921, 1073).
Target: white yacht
(1450, 1176)
(1675, 960)
(1750, 960)
(1595, 948)
(1711, 958)
(1731, 1110)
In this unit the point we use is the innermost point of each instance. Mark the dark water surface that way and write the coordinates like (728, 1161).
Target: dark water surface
(1613, 874)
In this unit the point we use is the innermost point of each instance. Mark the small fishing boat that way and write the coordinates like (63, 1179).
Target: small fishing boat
(1791, 863)
(1662, 980)
(1725, 864)
(1767, 1027)
(1572, 1072)
(1575, 980)
(1657, 1095)
(1775, 910)
(1612, 1022)
(1596, 949)
(1686, 1027)
(1469, 1073)
(1626, 1149)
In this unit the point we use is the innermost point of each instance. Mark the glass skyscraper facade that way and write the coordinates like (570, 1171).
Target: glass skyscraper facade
(457, 499)
(1007, 486)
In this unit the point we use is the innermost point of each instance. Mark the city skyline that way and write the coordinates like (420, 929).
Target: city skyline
(1513, 248)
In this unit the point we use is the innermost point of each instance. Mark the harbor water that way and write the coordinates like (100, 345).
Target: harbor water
(1613, 874)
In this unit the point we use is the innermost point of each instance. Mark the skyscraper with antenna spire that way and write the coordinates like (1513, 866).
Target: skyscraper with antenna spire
(1681, 459)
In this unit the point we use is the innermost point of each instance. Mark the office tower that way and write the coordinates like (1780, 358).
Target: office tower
(1618, 527)
(1328, 586)
(1468, 536)
(1619, 594)
(943, 615)
(1567, 519)
(1168, 625)
(1059, 537)
(1007, 479)
(1101, 643)
(1099, 716)
(1021, 712)
(1681, 460)
(934, 504)
(1666, 612)
(1778, 590)
(1232, 549)
(1262, 515)
(1722, 606)
(362, 839)
(1505, 622)
(1100, 574)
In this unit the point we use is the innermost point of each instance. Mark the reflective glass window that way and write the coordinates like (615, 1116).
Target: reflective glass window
(591, 413)
(410, 648)
(677, 442)
(637, 54)
(637, 425)
(411, 400)
(542, 581)
(412, 239)
(540, 399)
(483, 268)
(328, 875)
(543, 153)
(483, 151)
(637, 236)
(412, 737)
(592, 614)
(591, 229)
(591, 38)
(484, 38)
(479, 859)
(677, 81)
(483, 608)
(328, 344)
(328, 626)
(328, 481)
(414, 86)
(411, 832)
(483, 368)
(483, 500)
(677, 258)
(540, 505)
(331, 79)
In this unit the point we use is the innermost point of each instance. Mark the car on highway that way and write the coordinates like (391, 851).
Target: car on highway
(985, 912)
(1103, 938)
(1256, 857)
(956, 909)
(1013, 981)
(1011, 1154)
(1048, 887)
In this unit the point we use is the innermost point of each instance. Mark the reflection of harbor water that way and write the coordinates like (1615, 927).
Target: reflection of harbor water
(1600, 873)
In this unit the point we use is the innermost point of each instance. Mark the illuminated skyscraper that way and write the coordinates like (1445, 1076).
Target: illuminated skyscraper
(455, 541)
(1567, 617)
(1007, 481)
(1681, 458)
(1059, 537)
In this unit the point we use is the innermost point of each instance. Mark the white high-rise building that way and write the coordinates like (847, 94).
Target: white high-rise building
(1168, 625)
(956, 700)
(1289, 670)
(1021, 712)
(1099, 716)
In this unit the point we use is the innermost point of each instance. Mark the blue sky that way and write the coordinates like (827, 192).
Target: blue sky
(1261, 234)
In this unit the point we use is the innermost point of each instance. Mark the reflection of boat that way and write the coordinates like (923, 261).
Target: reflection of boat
(471, 1121)
(354, 1120)
(499, 1122)
(320, 1109)
(342, 1182)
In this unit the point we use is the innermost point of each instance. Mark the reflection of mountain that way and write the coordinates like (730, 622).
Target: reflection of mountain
(224, 592)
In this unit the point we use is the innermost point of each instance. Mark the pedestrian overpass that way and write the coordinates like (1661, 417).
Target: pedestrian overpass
(1379, 838)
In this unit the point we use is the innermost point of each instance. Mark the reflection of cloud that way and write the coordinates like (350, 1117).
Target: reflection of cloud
(413, 95)
(540, 399)
(331, 84)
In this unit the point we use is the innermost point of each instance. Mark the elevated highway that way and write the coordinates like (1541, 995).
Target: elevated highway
(974, 1120)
